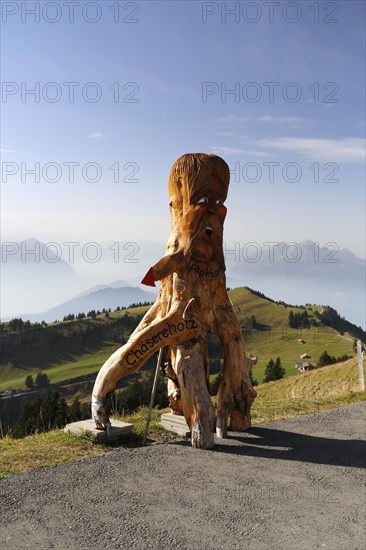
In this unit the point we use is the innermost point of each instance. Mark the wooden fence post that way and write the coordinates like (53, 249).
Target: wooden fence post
(360, 365)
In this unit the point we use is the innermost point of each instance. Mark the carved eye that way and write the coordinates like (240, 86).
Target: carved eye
(203, 200)
(219, 201)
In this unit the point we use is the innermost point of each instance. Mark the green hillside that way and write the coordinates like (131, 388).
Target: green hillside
(75, 348)
(321, 389)
(64, 350)
(275, 338)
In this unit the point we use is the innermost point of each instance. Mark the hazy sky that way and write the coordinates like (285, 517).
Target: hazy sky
(275, 88)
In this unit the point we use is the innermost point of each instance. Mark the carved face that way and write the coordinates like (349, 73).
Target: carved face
(204, 221)
(198, 188)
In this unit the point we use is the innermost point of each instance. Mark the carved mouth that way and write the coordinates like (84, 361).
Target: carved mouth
(208, 231)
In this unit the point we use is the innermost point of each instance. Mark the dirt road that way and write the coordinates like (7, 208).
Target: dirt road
(295, 484)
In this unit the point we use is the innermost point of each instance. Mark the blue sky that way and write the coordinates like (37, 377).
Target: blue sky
(176, 69)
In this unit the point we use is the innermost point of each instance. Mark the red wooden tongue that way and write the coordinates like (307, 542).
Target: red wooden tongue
(149, 280)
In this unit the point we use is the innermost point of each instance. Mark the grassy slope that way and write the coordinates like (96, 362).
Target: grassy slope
(280, 340)
(325, 388)
(309, 392)
(58, 370)
(63, 362)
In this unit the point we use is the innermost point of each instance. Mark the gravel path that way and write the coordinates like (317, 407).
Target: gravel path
(295, 484)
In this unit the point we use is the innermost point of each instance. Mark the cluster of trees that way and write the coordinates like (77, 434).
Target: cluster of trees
(300, 320)
(69, 317)
(331, 318)
(77, 333)
(326, 359)
(92, 313)
(279, 302)
(138, 393)
(249, 322)
(41, 380)
(215, 382)
(139, 304)
(47, 413)
(17, 324)
(274, 370)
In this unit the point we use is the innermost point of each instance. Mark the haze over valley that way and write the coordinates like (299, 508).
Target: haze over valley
(44, 286)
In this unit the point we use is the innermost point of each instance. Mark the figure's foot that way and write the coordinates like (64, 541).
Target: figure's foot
(101, 408)
(221, 427)
(239, 422)
(202, 439)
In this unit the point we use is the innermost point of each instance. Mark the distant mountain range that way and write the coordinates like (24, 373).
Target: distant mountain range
(34, 277)
(101, 297)
(293, 260)
(33, 256)
(94, 289)
(296, 273)
(303, 273)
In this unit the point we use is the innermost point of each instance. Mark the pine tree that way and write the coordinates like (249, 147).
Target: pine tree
(279, 370)
(274, 371)
(62, 413)
(291, 319)
(42, 380)
(29, 382)
(48, 410)
(326, 359)
(253, 380)
(29, 421)
(269, 372)
(75, 410)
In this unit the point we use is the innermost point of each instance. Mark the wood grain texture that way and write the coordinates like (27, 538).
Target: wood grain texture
(192, 273)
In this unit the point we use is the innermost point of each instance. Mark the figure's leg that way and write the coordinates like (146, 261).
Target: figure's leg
(175, 402)
(197, 406)
(174, 396)
(236, 393)
(174, 393)
(133, 355)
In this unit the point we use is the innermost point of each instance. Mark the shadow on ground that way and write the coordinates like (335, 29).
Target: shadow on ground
(284, 445)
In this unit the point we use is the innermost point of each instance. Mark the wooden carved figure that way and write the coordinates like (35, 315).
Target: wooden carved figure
(192, 303)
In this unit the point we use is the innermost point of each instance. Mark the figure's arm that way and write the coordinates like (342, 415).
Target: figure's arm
(163, 268)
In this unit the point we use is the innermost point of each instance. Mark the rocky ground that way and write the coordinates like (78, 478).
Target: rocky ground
(294, 484)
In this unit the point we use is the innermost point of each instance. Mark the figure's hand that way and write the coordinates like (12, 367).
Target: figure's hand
(163, 268)
(149, 279)
(101, 408)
